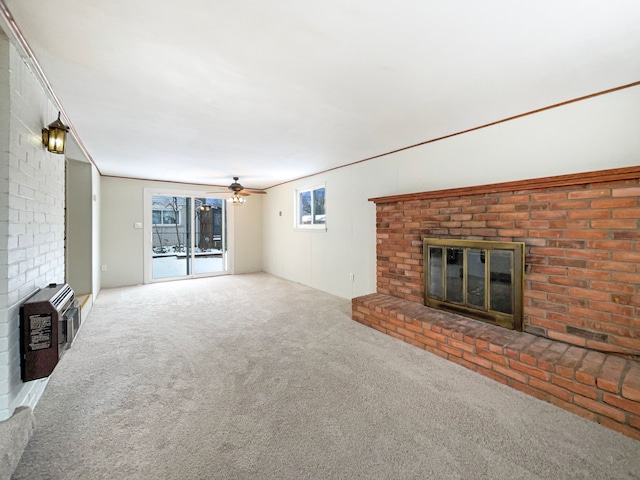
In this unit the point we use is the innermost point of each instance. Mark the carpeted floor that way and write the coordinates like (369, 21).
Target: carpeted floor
(255, 377)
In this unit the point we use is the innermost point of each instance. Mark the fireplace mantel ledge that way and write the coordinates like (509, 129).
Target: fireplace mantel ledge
(616, 174)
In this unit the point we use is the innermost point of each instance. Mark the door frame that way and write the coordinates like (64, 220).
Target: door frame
(200, 192)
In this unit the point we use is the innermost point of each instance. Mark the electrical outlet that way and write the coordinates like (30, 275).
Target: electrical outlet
(352, 277)
(103, 268)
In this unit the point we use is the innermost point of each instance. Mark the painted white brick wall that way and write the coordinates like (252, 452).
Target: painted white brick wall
(32, 199)
(5, 371)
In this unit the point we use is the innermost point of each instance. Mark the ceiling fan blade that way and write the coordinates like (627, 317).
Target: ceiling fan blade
(237, 189)
(253, 191)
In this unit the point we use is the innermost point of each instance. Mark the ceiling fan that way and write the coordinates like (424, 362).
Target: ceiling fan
(237, 189)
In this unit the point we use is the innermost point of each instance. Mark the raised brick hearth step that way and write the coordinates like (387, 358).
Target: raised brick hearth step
(601, 387)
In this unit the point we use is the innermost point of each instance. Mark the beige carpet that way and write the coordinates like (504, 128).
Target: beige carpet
(254, 377)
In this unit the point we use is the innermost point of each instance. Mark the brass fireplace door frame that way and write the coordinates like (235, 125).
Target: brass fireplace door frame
(513, 321)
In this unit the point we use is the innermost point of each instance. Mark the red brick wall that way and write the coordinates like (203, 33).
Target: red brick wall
(582, 280)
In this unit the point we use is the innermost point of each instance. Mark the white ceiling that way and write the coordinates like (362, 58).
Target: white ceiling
(201, 90)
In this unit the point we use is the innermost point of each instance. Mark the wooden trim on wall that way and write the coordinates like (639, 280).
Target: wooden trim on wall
(444, 137)
(616, 174)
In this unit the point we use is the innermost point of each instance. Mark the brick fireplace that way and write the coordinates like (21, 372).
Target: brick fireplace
(581, 341)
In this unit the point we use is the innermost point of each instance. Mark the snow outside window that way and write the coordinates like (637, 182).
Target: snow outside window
(310, 208)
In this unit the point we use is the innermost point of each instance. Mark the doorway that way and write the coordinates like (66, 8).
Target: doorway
(187, 236)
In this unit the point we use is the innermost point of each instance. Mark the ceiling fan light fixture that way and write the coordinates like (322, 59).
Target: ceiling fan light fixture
(236, 199)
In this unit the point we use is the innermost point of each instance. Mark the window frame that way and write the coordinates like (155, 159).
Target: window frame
(297, 208)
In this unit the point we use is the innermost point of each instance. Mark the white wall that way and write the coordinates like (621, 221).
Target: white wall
(5, 103)
(122, 246)
(32, 187)
(594, 134)
(247, 233)
(95, 232)
(79, 226)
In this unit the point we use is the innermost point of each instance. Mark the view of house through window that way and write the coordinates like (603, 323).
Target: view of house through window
(188, 236)
(165, 217)
(310, 207)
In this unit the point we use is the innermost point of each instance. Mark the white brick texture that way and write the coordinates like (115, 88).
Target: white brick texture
(32, 195)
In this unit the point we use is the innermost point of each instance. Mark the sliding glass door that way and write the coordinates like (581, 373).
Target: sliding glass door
(188, 236)
(210, 250)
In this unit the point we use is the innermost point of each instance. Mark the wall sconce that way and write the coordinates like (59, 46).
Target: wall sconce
(236, 199)
(55, 136)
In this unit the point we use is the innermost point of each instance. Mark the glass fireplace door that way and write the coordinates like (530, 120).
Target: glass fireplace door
(477, 278)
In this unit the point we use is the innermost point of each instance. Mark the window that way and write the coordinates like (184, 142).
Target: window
(165, 217)
(310, 208)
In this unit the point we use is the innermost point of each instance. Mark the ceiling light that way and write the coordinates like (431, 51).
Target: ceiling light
(236, 199)
(55, 136)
